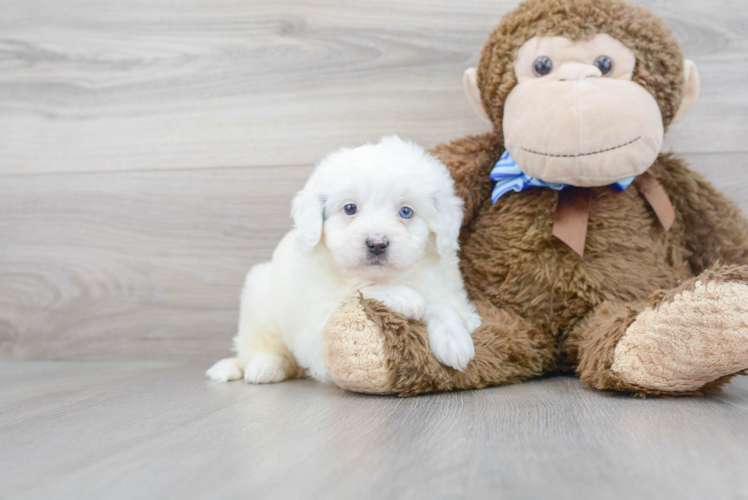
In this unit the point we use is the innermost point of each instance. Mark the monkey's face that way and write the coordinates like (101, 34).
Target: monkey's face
(576, 117)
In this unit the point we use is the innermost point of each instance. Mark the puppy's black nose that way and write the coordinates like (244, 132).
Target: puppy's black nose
(377, 246)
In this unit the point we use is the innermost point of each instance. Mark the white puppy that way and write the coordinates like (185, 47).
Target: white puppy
(380, 219)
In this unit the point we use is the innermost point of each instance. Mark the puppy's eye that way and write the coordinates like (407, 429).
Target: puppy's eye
(604, 64)
(542, 66)
(406, 212)
(350, 209)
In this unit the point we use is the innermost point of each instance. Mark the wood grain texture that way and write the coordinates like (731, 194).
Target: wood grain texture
(134, 265)
(132, 85)
(135, 430)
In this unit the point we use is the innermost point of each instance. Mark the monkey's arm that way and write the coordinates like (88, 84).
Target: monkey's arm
(716, 229)
(470, 160)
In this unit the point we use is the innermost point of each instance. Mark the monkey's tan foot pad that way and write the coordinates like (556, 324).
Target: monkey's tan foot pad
(694, 336)
(354, 351)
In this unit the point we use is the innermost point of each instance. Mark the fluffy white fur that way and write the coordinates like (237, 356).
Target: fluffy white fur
(326, 260)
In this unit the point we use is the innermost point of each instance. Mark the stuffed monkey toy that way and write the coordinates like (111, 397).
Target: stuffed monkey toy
(584, 248)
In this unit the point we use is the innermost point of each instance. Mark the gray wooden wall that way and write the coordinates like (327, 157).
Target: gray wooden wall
(149, 149)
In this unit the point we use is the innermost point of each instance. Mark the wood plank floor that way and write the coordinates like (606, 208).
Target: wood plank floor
(159, 430)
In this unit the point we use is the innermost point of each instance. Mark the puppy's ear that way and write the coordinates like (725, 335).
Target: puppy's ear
(307, 211)
(448, 220)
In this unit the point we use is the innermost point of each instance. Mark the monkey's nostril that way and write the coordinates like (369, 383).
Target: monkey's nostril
(377, 246)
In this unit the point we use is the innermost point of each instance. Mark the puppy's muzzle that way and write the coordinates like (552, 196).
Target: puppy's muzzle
(377, 245)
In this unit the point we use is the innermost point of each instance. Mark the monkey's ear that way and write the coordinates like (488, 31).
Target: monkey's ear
(470, 81)
(690, 92)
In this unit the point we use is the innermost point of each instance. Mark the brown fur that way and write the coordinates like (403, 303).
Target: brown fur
(470, 161)
(717, 230)
(544, 307)
(508, 350)
(580, 307)
(592, 343)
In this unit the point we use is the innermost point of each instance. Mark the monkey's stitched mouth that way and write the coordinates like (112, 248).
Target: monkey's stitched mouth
(583, 154)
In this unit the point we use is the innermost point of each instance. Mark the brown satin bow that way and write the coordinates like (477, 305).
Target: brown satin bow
(573, 210)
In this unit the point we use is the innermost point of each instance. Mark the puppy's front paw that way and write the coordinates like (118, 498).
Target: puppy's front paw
(473, 322)
(265, 369)
(225, 370)
(450, 343)
(402, 300)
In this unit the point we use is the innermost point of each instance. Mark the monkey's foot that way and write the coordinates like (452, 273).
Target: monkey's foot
(354, 351)
(689, 337)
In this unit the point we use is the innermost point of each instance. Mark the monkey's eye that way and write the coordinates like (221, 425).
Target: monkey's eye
(542, 66)
(406, 212)
(604, 64)
(350, 209)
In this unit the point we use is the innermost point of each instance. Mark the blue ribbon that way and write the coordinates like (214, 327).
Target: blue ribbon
(508, 177)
